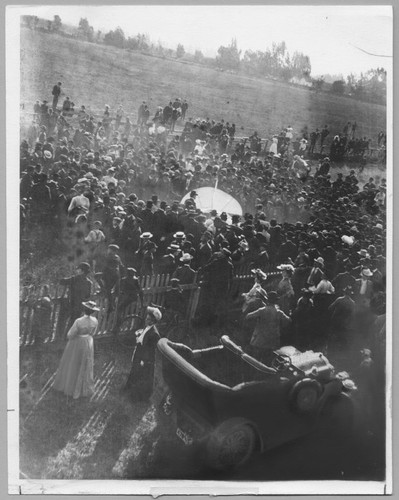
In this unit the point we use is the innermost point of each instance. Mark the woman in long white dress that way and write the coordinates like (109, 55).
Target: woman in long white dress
(75, 373)
(273, 146)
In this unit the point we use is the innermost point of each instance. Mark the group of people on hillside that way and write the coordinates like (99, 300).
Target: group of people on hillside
(115, 205)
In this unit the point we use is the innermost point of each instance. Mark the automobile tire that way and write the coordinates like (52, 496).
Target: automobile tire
(304, 396)
(231, 445)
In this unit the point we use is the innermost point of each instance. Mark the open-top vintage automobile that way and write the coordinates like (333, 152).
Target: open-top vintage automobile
(232, 405)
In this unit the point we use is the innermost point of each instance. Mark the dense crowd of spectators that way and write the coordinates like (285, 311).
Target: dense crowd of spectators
(111, 191)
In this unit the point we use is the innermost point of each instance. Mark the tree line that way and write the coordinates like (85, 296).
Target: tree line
(274, 62)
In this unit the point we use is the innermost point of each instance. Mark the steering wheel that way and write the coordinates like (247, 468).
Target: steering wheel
(282, 362)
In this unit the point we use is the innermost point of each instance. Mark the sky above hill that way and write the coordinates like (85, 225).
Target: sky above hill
(338, 39)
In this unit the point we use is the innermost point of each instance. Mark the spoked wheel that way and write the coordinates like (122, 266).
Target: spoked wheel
(126, 331)
(231, 445)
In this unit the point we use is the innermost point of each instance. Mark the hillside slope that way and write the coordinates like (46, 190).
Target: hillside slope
(96, 75)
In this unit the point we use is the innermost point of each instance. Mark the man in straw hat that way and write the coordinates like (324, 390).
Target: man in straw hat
(184, 273)
(316, 272)
(364, 287)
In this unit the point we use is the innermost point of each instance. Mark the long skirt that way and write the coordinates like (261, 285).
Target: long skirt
(140, 381)
(75, 373)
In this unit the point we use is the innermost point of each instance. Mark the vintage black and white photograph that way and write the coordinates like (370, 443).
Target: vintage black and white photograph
(204, 233)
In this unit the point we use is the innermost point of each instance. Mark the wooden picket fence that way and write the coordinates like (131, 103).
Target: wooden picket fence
(52, 322)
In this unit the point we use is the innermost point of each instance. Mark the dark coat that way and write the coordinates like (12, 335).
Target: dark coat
(185, 274)
(343, 280)
(140, 380)
(79, 291)
(204, 253)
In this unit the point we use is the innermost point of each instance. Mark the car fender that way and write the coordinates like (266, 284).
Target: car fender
(342, 413)
(333, 388)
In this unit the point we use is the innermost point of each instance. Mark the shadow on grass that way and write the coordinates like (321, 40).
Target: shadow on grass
(54, 422)
(57, 434)
(124, 419)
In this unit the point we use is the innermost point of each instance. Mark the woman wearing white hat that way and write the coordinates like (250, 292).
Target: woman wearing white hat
(285, 289)
(75, 373)
(140, 380)
(260, 279)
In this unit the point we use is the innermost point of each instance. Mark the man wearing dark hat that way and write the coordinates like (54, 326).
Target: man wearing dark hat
(56, 94)
(342, 316)
(26, 182)
(116, 231)
(261, 259)
(175, 299)
(66, 106)
(344, 280)
(168, 262)
(193, 196)
(316, 272)
(160, 222)
(147, 217)
(270, 322)
(287, 250)
(130, 293)
(204, 250)
(79, 290)
(113, 267)
(147, 260)
(303, 318)
(218, 276)
(275, 240)
(40, 199)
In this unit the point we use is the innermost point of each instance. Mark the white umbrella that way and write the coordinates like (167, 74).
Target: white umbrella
(210, 198)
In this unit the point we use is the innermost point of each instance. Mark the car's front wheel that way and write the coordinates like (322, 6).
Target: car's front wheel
(231, 445)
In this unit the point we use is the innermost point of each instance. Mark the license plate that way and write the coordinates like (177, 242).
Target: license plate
(187, 440)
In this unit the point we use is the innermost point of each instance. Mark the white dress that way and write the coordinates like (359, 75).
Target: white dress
(273, 147)
(75, 374)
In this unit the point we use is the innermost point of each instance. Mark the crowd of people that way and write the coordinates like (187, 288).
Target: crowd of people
(111, 192)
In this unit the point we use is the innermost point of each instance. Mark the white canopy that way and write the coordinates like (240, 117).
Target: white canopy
(210, 198)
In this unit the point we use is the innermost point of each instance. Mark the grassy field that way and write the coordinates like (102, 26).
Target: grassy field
(96, 75)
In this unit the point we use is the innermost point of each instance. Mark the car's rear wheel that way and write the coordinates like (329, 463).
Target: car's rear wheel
(231, 445)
